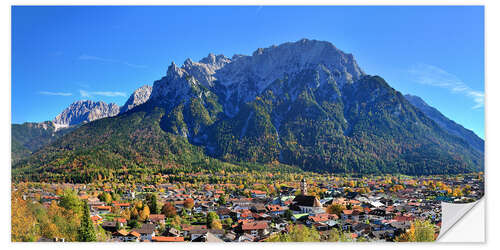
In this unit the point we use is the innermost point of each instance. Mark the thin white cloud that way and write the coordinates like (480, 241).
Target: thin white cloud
(85, 93)
(55, 93)
(100, 59)
(437, 77)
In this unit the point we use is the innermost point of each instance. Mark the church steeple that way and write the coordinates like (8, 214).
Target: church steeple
(303, 186)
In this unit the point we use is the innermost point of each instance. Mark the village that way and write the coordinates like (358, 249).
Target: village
(356, 208)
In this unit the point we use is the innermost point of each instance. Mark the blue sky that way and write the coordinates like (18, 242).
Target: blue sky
(64, 54)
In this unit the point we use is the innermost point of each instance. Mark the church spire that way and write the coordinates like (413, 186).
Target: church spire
(303, 186)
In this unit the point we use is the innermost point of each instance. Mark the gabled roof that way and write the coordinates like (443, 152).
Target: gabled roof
(306, 201)
(146, 229)
(155, 217)
(254, 225)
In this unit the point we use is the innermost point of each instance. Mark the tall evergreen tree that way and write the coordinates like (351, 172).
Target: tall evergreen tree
(153, 207)
(86, 232)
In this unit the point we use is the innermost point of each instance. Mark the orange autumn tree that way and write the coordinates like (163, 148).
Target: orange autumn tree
(169, 210)
(189, 203)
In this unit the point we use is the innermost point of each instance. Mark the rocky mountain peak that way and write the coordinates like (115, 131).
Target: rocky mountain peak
(245, 77)
(215, 61)
(140, 96)
(85, 111)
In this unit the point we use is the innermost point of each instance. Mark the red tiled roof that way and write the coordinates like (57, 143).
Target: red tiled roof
(257, 192)
(121, 204)
(156, 216)
(167, 239)
(103, 208)
(404, 218)
(121, 220)
(255, 225)
(319, 217)
(347, 211)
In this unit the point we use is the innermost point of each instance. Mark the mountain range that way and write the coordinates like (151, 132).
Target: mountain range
(31, 136)
(304, 103)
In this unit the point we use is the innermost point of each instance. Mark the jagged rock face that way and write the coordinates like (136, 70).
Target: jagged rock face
(242, 78)
(140, 96)
(85, 111)
(447, 124)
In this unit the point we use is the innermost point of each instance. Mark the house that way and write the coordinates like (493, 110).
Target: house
(109, 226)
(157, 218)
(119, 235)
(121, 205)
(208, 237)
(354, 215)
(258, 208)
(280, 224)
(377, 214)
(96, 219)
(121, 222)
(223, 213)
(197, 233)
(102, 209)
(361, 229)
(318, 218)
(258, 194)
(146, 232)
(123, 235)
(133, 236)
(276, 210)
(255, 228)
(244, 215)
(186, 229)
(306, 204)
(246, 238)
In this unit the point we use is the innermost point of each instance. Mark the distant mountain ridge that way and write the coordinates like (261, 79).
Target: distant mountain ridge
(447, 124)
(31, 136)
(305, 103)
(84, 111)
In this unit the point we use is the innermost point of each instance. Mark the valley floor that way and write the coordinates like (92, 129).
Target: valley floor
(216, 207)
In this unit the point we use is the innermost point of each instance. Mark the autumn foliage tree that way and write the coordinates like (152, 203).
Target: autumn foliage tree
(420, 231)
(335, 209)
(169, 210)
(23, 221)
(144, 214)
(213, 221)
(297, 233)
(189, 203)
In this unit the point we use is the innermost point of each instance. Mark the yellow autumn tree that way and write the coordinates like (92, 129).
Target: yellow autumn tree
(144, 214)
(23, 221)
(420, 231)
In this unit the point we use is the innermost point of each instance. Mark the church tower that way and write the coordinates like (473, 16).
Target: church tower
(303, 186)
